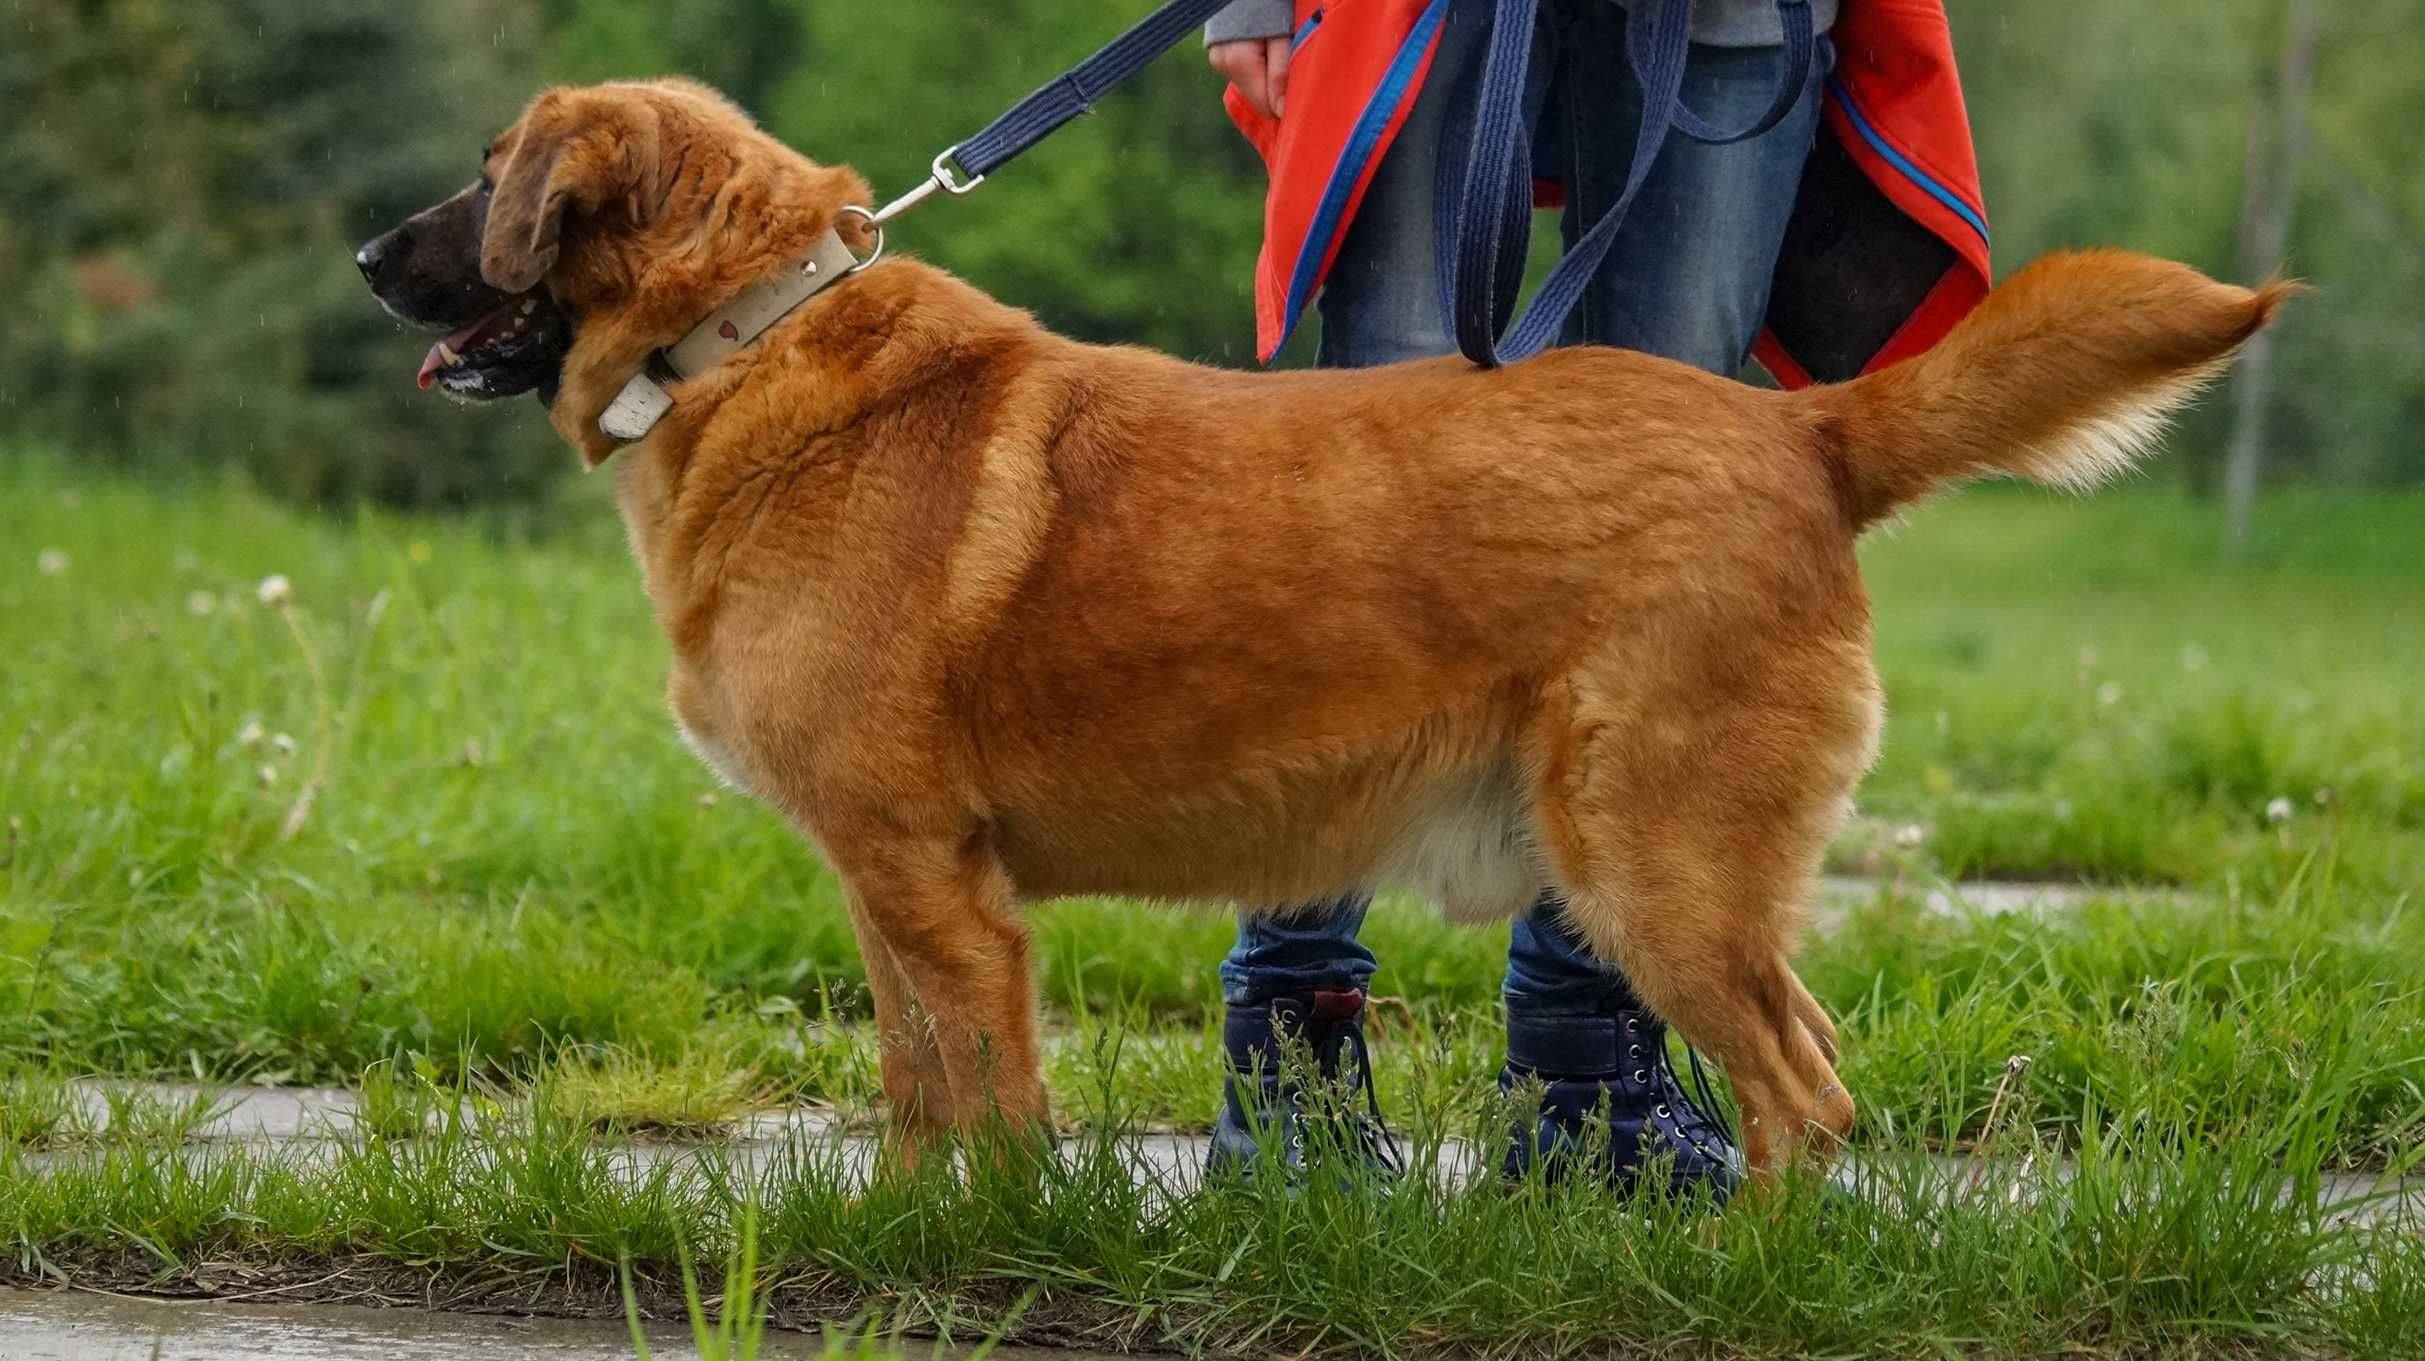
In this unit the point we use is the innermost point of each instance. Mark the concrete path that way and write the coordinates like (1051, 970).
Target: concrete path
(316, 1122)
(74, 1326)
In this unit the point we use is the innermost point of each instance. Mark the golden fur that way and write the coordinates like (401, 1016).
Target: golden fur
(994, 616)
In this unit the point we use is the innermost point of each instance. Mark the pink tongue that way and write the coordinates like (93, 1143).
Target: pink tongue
(459, 340)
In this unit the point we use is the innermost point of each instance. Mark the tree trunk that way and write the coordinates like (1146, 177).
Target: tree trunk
(2277, 142)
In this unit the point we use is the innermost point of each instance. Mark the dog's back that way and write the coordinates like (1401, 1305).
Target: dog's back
(1287, 631)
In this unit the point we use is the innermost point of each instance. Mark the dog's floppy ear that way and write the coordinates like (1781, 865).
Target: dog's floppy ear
(564, 157)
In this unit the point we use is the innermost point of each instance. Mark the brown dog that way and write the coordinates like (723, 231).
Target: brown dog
(996, 616)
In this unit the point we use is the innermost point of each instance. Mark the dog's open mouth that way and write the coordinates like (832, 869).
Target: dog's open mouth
(514, 347)
(491, 331)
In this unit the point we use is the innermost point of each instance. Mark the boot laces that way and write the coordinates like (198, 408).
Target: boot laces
(1696, 1117)
(1699, 1123)
(1372, 1132)
(1367, 1131)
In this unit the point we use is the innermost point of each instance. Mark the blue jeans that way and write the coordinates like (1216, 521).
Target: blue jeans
(1687, 278)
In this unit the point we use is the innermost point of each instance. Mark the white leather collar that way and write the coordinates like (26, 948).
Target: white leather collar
(644, 401)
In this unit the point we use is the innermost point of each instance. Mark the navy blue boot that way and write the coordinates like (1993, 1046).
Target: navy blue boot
(1611, 1067)
(1268, 1049)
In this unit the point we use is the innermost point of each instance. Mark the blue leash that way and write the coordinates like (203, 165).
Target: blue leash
(1041, 114)
(1483, 200)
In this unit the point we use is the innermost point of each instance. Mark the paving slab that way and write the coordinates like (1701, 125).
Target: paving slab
(308, 1123)
(70, 1325)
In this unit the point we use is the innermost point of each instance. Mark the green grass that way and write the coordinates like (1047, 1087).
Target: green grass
(705, 1091)
(2160, 1241)
(43, 1111)
(510, 875)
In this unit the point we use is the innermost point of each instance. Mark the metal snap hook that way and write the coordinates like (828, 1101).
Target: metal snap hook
(943, 172)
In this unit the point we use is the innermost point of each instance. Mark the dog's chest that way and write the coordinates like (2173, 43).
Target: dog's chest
(710, 727)
(718, 754)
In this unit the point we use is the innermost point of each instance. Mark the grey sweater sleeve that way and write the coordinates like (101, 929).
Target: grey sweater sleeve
(1251, 19)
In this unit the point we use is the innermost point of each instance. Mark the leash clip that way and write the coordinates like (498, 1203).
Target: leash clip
(943, 170)
(945, 178)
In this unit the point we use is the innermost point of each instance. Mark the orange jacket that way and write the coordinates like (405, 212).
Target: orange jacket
(1888, 244)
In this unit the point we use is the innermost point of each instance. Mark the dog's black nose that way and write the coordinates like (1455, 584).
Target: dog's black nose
(379, 252)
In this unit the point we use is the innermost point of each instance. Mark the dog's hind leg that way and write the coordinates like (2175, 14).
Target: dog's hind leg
(1684, 817)
(957, 966)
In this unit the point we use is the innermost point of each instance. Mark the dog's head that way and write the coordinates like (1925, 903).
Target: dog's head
(500, 340)
(606, 221)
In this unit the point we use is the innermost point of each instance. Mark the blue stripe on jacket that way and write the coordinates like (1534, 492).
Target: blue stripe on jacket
(1370, 124)
(1903, 164)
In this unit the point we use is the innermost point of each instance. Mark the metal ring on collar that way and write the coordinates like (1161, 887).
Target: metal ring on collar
(874, 225)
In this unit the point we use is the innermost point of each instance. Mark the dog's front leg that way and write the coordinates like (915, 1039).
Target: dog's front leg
(917, 1094)
(948, 966)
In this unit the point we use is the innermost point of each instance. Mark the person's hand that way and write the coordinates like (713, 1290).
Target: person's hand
(1258, 67)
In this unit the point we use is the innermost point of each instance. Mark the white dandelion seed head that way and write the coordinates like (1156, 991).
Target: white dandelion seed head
(268, 775)
(2109, 694)
(200, 603)
(250, 735)
(284, 743)
(276, 591)
(50, 562)
(1910, 835)
(2279, 810)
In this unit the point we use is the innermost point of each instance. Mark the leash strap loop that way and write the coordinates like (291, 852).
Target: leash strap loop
(1482, 205)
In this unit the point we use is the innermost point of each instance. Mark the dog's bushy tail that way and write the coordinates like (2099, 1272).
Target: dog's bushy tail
(2064, 376)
